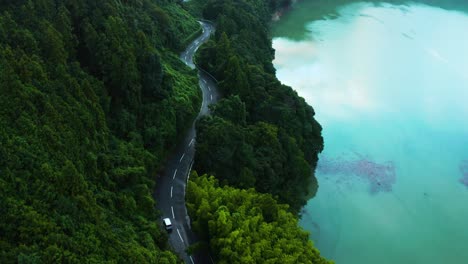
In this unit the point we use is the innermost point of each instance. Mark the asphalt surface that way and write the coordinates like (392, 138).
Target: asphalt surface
(171, 183)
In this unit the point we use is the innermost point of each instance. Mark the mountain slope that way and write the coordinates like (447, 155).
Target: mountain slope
(93, 97)
(262, 135)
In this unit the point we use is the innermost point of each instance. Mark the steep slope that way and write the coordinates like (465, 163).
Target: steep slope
(172, 181)
(93, 97)
(262, 135)
(261, 143)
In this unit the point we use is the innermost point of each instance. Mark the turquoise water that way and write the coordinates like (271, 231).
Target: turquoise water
(389, 84)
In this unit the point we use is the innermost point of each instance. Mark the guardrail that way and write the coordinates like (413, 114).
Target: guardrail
(207, 21)
(192, 37)
(206, 72)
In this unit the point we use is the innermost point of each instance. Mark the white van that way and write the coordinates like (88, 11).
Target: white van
(167, 224)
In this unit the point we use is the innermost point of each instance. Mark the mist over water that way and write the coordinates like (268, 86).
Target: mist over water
(389, 84)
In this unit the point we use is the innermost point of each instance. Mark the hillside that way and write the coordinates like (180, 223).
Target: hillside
(262, 135)
(93, 98)
(261, 143)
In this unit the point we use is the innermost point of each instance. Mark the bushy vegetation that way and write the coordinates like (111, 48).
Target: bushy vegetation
(260, 142)
(262, 135)
(93, 97)
(244, 226)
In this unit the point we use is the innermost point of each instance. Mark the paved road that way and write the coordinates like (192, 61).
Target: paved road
(171, 183)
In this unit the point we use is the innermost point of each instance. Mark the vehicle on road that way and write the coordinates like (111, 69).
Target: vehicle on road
(167, 224)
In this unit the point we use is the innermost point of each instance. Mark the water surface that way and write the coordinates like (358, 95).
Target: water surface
(389, 84)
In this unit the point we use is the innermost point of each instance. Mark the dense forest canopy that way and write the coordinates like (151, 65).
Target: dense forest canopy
(262, 135)
(93, 98)
(244, 226)
(260, 142)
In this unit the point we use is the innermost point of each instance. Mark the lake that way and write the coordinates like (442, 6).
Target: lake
(389, 84)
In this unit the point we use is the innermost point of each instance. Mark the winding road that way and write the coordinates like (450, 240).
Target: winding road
(171, 183)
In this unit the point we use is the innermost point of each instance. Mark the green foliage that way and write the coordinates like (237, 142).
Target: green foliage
(243, 226)
(231, 109)
(93, 98)
(225, 149)
(273, 146)
(260, 156)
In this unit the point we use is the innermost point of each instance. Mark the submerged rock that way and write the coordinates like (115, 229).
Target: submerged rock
(380, 176)
(464, 171)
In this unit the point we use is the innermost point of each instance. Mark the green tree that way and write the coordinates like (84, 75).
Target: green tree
(243, 226)
(86, 85)
(235, 81)
(231, 108)
(280, 135)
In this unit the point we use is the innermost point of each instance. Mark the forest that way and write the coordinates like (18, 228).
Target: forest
(261, 143)
(262, 135)
(244, 226)
(93, 98)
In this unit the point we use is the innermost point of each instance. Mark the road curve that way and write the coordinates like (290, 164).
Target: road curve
(171, 183)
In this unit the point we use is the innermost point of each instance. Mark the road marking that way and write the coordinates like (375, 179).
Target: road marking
(175, 172)
(204, 81)
(211, 97)
(173, 215)
(191, 142)
(189, 170)
(185, 57)
(209, 88)
(196, 42)
(191, 259)
(181, 158)
(171, 190)
(178, 232)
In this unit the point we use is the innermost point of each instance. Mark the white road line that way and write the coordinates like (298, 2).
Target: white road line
(191, 142)
(204, 81)
(173, 215)
(191, 259)
(175, 172)
(209, 88)
(185, 57)
(211, 97)
(178, 232)
(188, 173)
(171, 190)
(181, 158)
